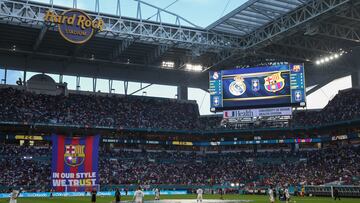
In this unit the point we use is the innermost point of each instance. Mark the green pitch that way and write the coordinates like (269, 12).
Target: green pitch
(254, 198)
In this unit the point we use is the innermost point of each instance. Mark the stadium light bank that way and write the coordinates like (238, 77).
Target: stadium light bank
(329, 58)
(193, 67)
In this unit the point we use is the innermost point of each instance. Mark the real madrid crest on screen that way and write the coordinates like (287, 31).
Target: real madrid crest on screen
(274, 82)
(237, 87)
(216, 75)
(74, 25)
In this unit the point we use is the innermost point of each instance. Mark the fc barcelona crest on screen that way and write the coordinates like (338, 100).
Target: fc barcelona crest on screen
(237, 87)
(296, 68)
(274, 82)
(255, 86)
(74, 155)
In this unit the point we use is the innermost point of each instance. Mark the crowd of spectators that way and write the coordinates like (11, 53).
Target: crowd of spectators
(143, 112)
(211, 122)
(27, 173)
(23, 151)
(120, 112)
(270, 168)
(167, 168)
(343, 107)
(102, 111)
(30, 166)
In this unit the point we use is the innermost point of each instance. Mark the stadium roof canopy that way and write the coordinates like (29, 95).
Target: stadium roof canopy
(133, 48)
(254, 14)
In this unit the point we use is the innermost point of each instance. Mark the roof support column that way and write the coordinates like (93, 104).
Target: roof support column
(355, 79)
(111, 89)
(94, 84)
(182, 93)
(5, 76)
(77, 83)
(24, 78)
(126, 87)
(61, 78)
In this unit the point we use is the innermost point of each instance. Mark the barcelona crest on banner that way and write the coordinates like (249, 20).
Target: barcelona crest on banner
(74, 165)
(74, 155)
(255, 85)
(274, 82)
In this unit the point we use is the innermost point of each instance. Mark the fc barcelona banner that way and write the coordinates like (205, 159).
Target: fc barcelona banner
(74, 166)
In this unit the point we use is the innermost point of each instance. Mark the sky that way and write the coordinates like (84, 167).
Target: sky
(201, 13)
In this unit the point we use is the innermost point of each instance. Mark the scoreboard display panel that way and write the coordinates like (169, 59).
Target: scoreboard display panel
(268, 86)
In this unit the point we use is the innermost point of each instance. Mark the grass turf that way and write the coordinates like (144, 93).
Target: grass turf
(255, 198)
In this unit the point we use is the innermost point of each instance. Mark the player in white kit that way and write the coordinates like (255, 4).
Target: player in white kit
(157, 194)
(271, 195)
(287, 195)
(14, 195)
(199, 193)
(139, 196)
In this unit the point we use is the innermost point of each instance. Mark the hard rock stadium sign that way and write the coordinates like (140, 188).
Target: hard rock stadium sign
(74, 25)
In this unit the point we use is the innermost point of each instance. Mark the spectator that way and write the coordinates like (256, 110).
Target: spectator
(159, 168)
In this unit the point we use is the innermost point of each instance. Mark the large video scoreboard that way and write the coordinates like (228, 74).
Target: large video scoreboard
(258, 87)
